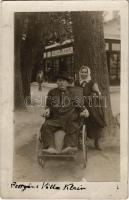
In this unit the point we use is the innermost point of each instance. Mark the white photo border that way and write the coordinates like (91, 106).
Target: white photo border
(94, 189)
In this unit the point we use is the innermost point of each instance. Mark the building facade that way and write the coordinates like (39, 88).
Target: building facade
(59, 57)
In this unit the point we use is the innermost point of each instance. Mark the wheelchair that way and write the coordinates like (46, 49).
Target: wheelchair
(82, 148)
(82, 138)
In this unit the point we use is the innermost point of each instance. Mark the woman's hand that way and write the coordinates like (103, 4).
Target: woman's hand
(84, 113)
(96, 94)
(46, 113)
(95, 89)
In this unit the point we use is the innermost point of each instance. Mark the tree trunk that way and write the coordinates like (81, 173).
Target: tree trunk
(30, 51)
(27, 66)
(89, 49)
(18, 90)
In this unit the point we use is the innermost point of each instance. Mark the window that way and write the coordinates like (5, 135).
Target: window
(115, 47)
(107, 46)
(114, 68)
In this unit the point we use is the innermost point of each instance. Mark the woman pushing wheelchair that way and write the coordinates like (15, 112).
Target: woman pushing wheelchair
(96, 120)
(62, 113)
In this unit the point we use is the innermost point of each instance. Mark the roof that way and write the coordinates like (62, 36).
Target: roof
(59, 44)
(111, 31)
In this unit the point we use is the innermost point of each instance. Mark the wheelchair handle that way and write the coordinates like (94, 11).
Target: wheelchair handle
(83, 120)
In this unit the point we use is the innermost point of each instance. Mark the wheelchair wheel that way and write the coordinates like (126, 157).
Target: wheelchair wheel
(84, 145)
(41, 161)
(38, 146)
(39, 156)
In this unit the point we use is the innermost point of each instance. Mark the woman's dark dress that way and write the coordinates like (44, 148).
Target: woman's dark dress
(95, 121)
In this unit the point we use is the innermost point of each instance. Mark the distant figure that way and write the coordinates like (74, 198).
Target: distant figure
(39, 79)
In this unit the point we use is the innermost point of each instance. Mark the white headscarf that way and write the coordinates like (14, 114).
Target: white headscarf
(88, 78)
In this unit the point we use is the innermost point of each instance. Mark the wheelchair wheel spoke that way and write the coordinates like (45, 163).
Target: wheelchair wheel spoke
(84, 145)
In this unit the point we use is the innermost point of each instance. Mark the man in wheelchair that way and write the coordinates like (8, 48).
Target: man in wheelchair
(62, 115)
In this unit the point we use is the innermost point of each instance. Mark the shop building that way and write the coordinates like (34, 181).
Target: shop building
(61, 56)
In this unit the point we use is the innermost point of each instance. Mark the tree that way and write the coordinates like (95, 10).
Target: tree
(89, 49)
(18, 90)
(33, 32)
(30, 49)
(28, 44)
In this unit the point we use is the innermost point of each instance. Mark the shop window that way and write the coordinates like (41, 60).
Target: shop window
(114, 68)
(56, 64)
(107, 46)
(115, 46)
(72, 59)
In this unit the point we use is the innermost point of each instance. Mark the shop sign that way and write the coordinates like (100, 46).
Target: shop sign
(59, 52)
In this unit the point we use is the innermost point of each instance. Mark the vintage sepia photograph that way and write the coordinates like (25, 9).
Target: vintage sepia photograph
(61, 57)
(68, 110)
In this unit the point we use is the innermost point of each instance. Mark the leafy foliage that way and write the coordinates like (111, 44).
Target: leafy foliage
(46, 28)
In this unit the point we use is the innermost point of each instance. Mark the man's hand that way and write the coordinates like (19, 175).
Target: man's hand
(46, 112)
(84, 113)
